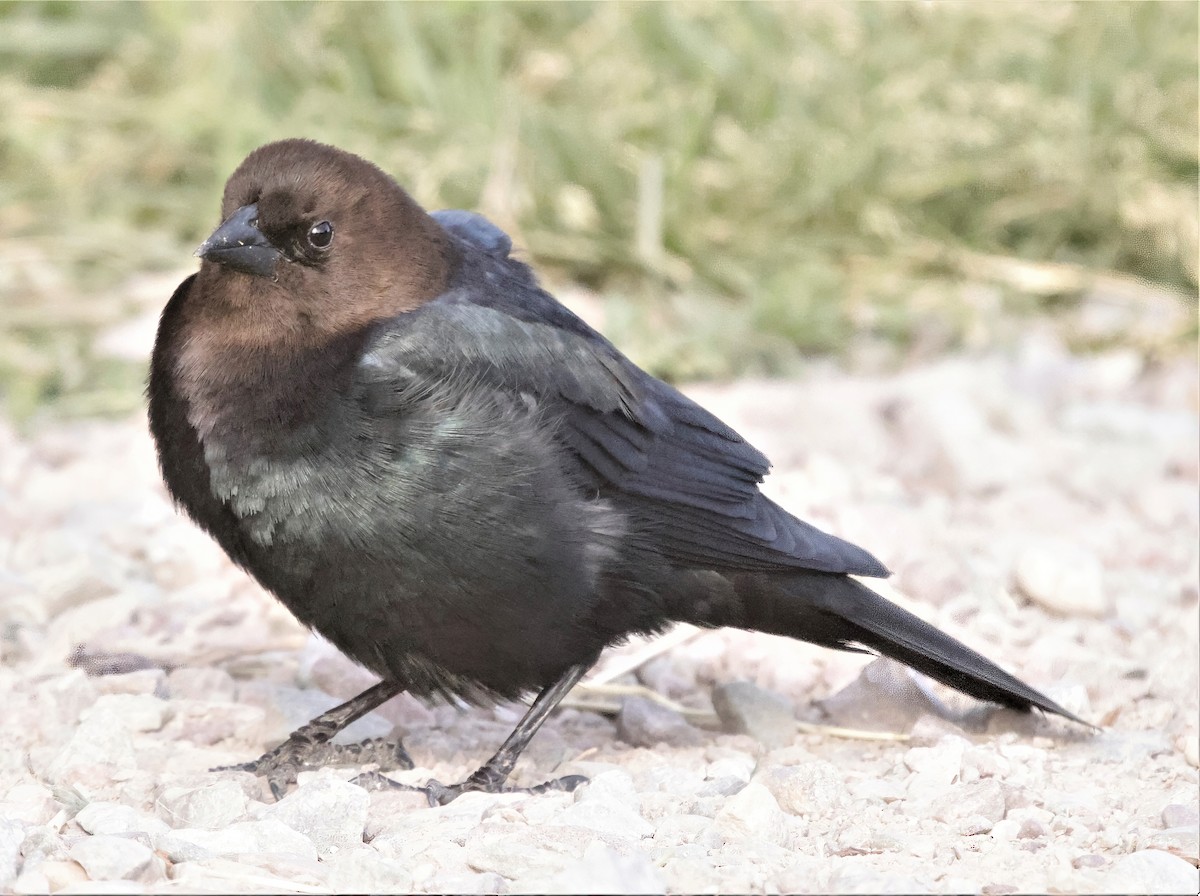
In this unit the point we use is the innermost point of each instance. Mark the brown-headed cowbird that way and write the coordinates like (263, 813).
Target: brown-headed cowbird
(381, 416)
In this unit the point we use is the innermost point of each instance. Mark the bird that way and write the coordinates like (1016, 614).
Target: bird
(382, 416)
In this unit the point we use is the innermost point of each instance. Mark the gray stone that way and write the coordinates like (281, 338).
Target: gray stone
(266, 836)
(103, 888)
(29, 804)
(362, 870)
(674, 830)
(1062, 577)
(215, 806)
(606, 815)
(329, 811)
(468, 884)
(725, 785)
(114, 818)
(745, 708)
(111, 857)
(220, 875)
(12, 835)
(1152, 871)
(615, 783)
(604, 870)
(752, 814)
(851, 878)
(884, 697)
(646, 723)
(935, 768)
(1177, 815)
(815, 787)
(201, 683)
(150, 682)
(971, 808)
(730, 764)
(499, 852)
(949, 442)
(99, 747)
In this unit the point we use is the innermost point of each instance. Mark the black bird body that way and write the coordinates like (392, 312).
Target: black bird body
(459, 483)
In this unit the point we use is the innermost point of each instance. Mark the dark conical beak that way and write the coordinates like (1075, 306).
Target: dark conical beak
(239, 244)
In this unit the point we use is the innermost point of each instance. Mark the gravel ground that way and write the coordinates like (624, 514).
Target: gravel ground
(1042, 507)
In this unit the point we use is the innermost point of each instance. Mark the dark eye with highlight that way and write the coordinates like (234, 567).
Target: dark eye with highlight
(320, 235)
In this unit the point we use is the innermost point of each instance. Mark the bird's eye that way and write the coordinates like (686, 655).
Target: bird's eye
(320, 235)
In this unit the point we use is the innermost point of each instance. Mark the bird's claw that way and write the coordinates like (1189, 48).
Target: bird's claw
(302, 750)
(439, 794)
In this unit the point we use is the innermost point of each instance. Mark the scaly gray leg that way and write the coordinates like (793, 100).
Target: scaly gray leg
(309, 746)
(492, 777)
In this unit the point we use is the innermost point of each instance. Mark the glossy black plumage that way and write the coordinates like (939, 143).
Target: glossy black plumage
(458, 482)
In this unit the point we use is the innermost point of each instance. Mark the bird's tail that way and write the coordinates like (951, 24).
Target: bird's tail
(837, 611)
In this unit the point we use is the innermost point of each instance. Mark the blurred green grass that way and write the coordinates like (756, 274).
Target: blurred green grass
(747, 183)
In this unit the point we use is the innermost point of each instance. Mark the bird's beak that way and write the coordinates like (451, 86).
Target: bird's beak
(239, 244)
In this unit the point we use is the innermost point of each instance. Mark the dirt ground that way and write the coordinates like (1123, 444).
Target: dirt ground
(1041, 506)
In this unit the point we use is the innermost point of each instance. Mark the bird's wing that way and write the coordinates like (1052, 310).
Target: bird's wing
(474, 229)
(686, 476)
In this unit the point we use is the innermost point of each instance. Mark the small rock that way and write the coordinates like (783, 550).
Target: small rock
(646, 723)
(812, 788)
(468, 884)
(884, 697)
(949, 442)
(1183, 841)
(206, 723)
(972, 808)
(508, 850)
(201, 683)
(606, 815)
(730, 764)
(604, 870)
(29, 803)
(12, 835)
(675, 830)
(745, 708)
(99, 747)
(935, 768)
(101, 817)
(1177, 815)
(1061, 577)
(105, 888)
(752, 814)
(215, 806)
(1030, 829)
(929, 729)
(150, 682)
(363, 870)
(1152, 871)
(266, 836)
(851, 878)
(109, 857)
(725, 785)
(615, 783)
(1191, 749)
(217, 875)
(51, 876)
(329, 811)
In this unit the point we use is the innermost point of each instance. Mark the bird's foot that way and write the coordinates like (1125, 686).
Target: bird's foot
(483, 781)
(307, 748)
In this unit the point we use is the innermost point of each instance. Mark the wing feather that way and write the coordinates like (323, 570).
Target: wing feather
(690, 481)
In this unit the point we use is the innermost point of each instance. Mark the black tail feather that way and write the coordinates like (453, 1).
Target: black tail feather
(840, 612)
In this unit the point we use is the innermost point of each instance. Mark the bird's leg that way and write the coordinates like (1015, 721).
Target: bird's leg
(492, 777)
(309, 746)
